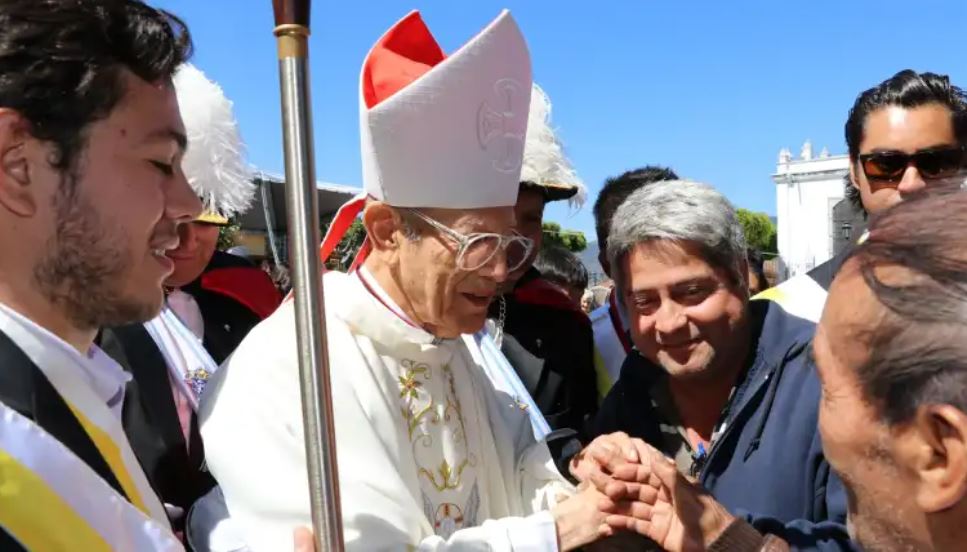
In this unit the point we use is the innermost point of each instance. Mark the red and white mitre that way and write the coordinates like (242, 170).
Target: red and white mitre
(441, 131)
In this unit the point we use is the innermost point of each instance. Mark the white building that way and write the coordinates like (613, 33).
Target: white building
(813, 218)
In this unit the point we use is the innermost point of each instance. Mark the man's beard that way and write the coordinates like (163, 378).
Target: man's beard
(85, 267)
(874, 522)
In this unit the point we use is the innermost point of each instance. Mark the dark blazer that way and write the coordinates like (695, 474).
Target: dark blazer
(231, 306)
(24, 388)
(551, 347)
(826, 272)
(176, 472)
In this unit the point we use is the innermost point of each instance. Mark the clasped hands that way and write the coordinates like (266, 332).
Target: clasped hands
(636, 488)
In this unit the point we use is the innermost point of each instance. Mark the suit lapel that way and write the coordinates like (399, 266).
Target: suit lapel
(24, 388)
(149, 405)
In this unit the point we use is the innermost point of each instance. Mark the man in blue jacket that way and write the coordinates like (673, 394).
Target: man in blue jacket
(722, 386)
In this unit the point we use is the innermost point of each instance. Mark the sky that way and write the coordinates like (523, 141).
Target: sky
(712, 88)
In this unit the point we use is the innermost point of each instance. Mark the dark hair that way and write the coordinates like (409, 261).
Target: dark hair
(617, 189)
(757, 267)
(907, 89)
(562, 267)
(919, 351)
(61, 62)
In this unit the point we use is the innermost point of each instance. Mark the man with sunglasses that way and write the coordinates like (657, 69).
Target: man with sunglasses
(905, 136)
(431, 456)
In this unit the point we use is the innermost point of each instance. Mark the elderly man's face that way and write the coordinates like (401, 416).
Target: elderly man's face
(683, 313)
(861, 448)
(446, 300)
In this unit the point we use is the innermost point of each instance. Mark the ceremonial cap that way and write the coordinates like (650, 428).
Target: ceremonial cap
(214, 163)
(545, 167)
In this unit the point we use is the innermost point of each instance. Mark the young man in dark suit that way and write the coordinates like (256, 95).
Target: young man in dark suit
(212, 299)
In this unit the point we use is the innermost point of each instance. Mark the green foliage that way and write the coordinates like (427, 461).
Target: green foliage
(346, 251)
(228, 235)
(760, 232)
(572, 240)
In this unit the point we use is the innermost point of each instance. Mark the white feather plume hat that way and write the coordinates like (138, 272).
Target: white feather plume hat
(545, 165)
(215, 160)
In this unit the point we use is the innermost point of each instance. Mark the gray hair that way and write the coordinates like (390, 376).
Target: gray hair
(918, 352)
(679, 211)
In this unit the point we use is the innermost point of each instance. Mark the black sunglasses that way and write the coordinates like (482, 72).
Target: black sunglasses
(932, 164)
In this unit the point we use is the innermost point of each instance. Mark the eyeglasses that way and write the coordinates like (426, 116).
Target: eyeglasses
(478, 249)
(932, 164)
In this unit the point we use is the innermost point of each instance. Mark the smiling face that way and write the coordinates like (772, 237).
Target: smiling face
(114, 216)
(899, 129)
(195, 249)
(684, 314)
(443, 299)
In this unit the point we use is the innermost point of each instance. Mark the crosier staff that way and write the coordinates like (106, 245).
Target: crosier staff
(292, 32)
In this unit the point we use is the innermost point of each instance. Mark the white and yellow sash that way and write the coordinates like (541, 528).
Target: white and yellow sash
(61, 368)
(799, 296)
(50, 500)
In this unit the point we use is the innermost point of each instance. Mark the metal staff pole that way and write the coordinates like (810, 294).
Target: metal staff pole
(292, 32)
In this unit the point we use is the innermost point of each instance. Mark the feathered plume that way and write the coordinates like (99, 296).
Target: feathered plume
(215, 161)
(544, 161)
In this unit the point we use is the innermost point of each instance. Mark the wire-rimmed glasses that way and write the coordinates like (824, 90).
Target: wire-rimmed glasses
(478, 249)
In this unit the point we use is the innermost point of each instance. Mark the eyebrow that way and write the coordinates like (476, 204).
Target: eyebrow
(940, 145)
(168, 134)
(698, 280)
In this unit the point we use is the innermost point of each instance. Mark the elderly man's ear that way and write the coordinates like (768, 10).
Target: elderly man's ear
(384, 226)
(934, 445)
(16, 193)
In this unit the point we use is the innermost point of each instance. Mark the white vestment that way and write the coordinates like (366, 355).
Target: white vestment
(430, 455)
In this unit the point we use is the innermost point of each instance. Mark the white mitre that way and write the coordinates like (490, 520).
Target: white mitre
(545, 165)
(441, 131)
(214, 163)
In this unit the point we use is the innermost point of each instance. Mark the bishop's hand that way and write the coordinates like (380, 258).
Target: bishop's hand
(604, 452)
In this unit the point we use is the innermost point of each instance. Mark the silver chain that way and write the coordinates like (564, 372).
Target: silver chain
(501, 319)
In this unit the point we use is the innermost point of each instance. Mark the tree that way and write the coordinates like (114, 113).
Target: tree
(228, 235)
(572, 240)
(760, 232)
(342, 257)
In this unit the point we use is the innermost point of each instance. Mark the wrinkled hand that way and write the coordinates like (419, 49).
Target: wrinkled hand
(604, 452)
(654, 500)
(582, 519)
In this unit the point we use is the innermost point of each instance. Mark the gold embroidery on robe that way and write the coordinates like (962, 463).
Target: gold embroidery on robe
(427, 418)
